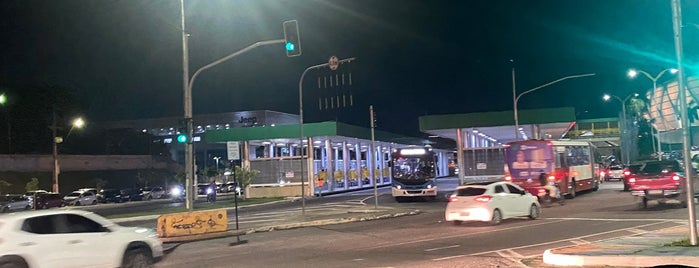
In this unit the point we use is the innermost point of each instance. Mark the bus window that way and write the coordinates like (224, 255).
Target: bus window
(561, 160)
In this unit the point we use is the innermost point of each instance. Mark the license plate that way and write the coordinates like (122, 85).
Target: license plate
(655, 191)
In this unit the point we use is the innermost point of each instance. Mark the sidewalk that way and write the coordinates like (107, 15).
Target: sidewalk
(642, 250)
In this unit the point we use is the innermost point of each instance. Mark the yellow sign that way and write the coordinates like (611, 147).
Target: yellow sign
(192, 223)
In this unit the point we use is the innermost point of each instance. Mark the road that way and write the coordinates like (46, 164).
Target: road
(425, 240)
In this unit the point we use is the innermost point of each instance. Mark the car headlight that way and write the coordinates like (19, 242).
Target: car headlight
(429, 186)
(209, 190)
(398, 187)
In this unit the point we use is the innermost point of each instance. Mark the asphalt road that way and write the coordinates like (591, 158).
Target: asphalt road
(425, 240)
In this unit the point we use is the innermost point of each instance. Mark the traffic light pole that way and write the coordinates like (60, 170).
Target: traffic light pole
(188, 84)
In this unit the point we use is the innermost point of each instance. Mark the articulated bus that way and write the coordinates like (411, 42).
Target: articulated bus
(570, 163)
(413, 173)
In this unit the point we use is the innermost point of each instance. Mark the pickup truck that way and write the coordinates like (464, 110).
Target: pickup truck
(659, 180)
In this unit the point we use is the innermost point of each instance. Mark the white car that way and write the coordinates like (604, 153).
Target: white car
(490, 202)
(73, 238)
(149, 193)
(80, 198)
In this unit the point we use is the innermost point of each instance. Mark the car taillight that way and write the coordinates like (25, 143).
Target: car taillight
(508, 178)
(483, 198)
(626, 173)
(675, 177)
(601, 173)
(632, 180)
(453, 198)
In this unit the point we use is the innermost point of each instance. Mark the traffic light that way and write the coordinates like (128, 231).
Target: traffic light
(183, 133)
(293, 38)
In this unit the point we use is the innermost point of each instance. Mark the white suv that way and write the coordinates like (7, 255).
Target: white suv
(80, 198)
(73, 238)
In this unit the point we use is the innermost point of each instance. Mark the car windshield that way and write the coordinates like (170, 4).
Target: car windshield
(615, 168)
(146, 189)
(470, 191)
(4, 199)
(74, 194)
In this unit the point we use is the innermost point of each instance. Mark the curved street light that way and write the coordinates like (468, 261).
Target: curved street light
(76, 123)
(632, 73)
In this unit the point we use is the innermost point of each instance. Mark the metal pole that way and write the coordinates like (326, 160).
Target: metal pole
(373, 151)
(187, 99)
(657, 131)
(514, 103)
(303, 196)
(677, 24)
(623, 131)
(55, 153)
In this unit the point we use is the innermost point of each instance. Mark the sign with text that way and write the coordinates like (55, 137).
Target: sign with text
(233, 150)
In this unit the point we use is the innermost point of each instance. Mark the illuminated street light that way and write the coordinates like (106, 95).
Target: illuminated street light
(77, 123)
(632, 73)
(607, 97)
(3, 101)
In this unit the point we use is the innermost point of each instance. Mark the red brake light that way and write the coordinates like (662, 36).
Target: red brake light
(632, 180)
(453, 199)
(675, 177)
(508, 178)
(626, 173)
(483, 198)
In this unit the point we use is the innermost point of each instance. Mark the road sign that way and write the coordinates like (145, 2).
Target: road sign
(233, 150)
(333, 63)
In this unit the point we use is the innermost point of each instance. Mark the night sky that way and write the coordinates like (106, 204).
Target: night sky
(123, 59)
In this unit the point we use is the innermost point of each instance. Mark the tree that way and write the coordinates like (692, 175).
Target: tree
(244, 176)
(4, 185)
(32, 185)
(99, 183)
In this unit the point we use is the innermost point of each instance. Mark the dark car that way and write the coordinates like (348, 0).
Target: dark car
(110, 195)
(48, 200)
(129, 194)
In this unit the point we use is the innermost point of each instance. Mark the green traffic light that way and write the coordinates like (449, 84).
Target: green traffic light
(290, 46)
(182, 138)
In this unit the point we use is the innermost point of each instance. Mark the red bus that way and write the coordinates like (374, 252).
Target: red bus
(570, 163)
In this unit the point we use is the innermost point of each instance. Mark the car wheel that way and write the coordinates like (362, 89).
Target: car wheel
(137, 258)
(44, 206)
(627, 187)
(534, 212)
(94, 202)
(457, 222)
(13, 262)
(28, 208)
(497, 217)
(150, 198)
(77, 203)
(644, 202)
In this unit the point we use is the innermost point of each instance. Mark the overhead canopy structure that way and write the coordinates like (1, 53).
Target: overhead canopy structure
(552, 123)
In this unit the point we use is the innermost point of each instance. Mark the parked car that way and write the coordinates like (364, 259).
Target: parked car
(31, 193)
(110, 195)
(14, 202)
(74, 238)
(204, 188)
(129, 194)
(80, 198)
(659, 180)
(490, 202)
(149, 193)
(48, 200)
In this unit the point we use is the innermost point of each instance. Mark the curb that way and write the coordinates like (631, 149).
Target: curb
(617, 260)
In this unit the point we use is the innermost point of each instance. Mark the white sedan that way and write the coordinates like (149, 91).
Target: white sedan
(73, 238)
(491, 202)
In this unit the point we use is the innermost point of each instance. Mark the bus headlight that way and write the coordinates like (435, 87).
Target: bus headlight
(429, 186)
(398, 187)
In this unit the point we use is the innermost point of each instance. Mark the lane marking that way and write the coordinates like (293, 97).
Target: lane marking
(602, 219)
(448, 258)
(579, 242)
(637, 231)
(433, 249)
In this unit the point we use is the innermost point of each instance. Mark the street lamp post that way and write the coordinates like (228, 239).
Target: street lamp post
(632, 73)
(606, 97)
(3, 101)
(516, 97)
(217, 158)
(77, 123)
(303, 178)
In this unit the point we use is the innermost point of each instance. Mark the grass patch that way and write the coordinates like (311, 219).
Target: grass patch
(200, 206)
(680, 243)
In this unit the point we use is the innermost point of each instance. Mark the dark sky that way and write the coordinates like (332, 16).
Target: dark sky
(123, 58)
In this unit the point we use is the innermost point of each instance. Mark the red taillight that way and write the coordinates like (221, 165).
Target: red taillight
(483, 198)
(542, 190)
(626, 173)
(508, 178)
(632, 180)
(453, 199)
(601, 173)
(675, 177)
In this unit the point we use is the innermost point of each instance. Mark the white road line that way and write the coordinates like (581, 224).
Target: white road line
(508, 253)
(601, 219)
(448, 258)
(579, 242)
(637, 231)
(433, 249)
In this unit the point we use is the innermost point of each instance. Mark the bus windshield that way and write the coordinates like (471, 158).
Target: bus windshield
(413, 168)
